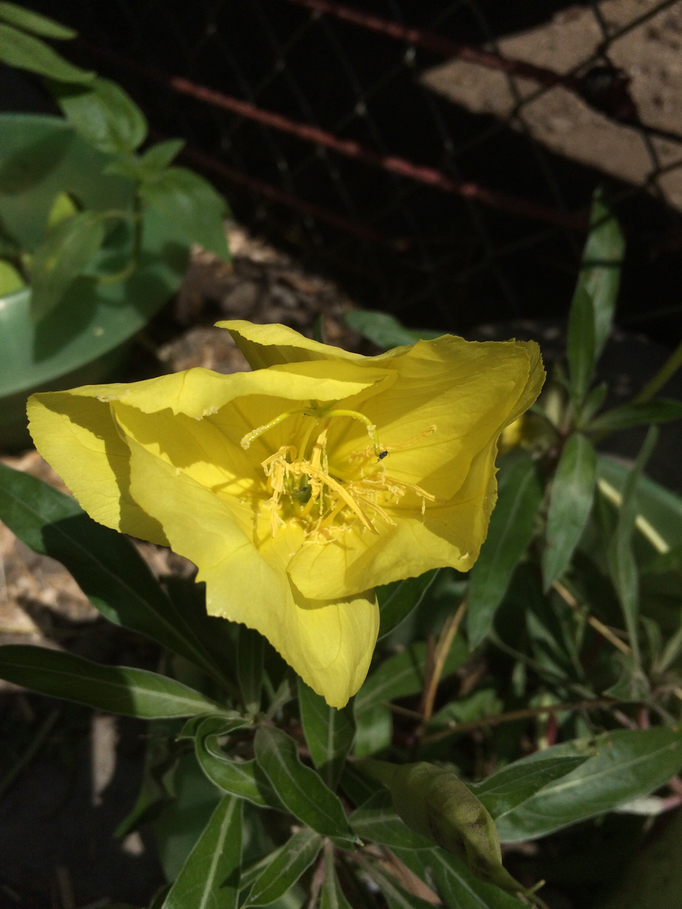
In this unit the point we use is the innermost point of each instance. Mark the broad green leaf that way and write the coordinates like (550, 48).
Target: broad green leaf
(332, 896)
(581, 346)
(103, 114)
(329, 733)
(285, 869)
(628, 765)
(516, 783)
(385, 330)
(601, 265)
(570, 504)
(210, 877)
(455, 884)
(396, 896)
(29, 21)
(300, 789)
(67, 252)
(159, 156)
(10, 279)
(377, 821)
(404, 674)
(373, 730)
(189, 203)
(244, 779)
(26, 52)
(510, 531)
(399, 599)
(115, 689)
(106, 565)
(621, 559)
(250, 667)
(660, 410)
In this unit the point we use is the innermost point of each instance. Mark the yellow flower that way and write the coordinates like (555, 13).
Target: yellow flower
(298, 487)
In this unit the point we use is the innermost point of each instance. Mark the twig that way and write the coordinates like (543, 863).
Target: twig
(443, 646)
(598, 626)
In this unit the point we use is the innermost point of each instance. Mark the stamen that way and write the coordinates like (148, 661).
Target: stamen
(255, 433)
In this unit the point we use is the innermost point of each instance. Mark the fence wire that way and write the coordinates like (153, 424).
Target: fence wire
(438, 156)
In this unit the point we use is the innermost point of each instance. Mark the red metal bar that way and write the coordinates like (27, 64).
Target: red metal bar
(502, 201)
(439, 45)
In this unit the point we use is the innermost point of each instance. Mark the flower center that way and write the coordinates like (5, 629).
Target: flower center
(327, 503)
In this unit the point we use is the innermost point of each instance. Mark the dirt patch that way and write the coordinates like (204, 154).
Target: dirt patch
(650, 55)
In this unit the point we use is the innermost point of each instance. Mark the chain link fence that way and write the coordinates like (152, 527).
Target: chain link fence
(436, 157)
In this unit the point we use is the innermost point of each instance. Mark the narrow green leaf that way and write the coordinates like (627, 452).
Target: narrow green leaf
(250, 667)
(396, 896)
(115, 689)
(103, 114)
(10, 279)
(303, 792)
(516, 783)
(399, 599)
(187, 201)
(404, 674)
(601, 266)
(455, 884)
(570, 504)
(210, 877)
(29, 21)
(622, 565)
(378, 822)
(243, 779)
(107, 567)
(581, 346)
(329, 733)
(385, 330)
(628, 765)
(373, 730)
(26, 52)
(285, 869)
(332, 896)
(660, 410)
(67, 252)
(511, 529)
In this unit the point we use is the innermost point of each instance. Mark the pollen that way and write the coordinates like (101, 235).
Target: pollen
(328, 501)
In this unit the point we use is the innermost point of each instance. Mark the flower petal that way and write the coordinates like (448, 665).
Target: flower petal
(269, 345)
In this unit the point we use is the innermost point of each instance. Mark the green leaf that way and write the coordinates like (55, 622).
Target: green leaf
(373, 730)
(29, 21)
(332, 896)
(628, 765)
(303, 792)
(103, 114)
(455, 884)
(63, 206)
(516, 783)
(26, 52)
(378, 822)
(329, 733)
(285, 869)
(210, 877)
(396, 896)
(10, 279)
(570, 504)
(159, 156)
(511, 529)
(404, 674)
(250, 667)
(581, 347)
(115, 689)
(67, 252)
(107, 567)
(191, 204)
(385, 330)
(621, 559)
(601, 266)
(243, 779)
(660, 410)
(399, 599)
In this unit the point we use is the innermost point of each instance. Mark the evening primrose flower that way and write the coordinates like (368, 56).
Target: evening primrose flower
(300, 486)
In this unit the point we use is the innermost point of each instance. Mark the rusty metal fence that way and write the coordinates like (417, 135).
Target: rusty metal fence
(439, 157)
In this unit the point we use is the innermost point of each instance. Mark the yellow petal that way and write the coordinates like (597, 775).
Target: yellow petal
(268, 345)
